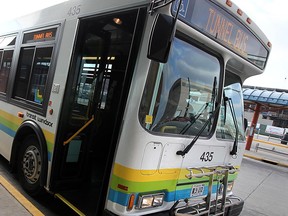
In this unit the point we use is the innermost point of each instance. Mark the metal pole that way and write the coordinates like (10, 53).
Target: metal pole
(253, 126)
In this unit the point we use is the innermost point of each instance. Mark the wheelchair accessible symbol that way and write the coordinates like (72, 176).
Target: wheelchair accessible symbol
(183, 7)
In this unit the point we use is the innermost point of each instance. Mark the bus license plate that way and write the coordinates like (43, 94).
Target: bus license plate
(197, 190)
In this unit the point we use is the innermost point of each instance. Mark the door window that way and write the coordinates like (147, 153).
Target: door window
(100, 65)
(100, 70)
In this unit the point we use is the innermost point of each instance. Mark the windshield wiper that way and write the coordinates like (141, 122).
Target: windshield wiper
(188, 147)
(212, 115)
(235, 145)
(194, 119)
(203, 108)
(213, 96)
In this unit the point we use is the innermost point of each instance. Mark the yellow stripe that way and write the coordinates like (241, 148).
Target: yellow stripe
(139, 175)
(17, 121)
(266, 160)
(49, 136)
(21, 199)
(155, 175)
(70, 205)
(11, 118)
(271, 143)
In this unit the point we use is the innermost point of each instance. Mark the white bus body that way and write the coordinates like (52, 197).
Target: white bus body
(85, 114)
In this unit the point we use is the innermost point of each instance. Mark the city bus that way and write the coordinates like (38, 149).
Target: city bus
(129, 107)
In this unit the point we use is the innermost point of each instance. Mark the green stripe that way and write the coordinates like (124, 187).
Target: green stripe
(9, 124)
(168, 185)
(142, 186)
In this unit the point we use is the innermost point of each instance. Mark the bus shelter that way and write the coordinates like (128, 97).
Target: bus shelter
(262, 100)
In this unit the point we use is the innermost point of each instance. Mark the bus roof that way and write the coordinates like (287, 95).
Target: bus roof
(61, 10)
(66, 10)
(246, 20)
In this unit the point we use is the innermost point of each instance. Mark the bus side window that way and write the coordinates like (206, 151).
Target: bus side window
(5, 66)
(32, 74)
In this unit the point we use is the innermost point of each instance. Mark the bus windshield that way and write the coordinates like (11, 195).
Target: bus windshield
(180, 95)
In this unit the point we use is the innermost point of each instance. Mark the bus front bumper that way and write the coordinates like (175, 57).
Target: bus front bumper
(232, 207)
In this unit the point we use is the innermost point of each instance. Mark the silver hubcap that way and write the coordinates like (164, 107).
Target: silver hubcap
(32, 164)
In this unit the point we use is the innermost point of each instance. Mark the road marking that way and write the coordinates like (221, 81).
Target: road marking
(20, 198)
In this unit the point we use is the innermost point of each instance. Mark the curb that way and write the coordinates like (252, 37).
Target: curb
(271, 143)
(266, 160)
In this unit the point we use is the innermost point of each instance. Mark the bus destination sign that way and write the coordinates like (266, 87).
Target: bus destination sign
(215, 22)
(40, 36)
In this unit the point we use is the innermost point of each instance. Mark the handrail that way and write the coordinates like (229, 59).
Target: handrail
(79, 131)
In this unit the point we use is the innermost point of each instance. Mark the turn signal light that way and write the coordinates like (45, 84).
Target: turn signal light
(131, 202)
(20, 115)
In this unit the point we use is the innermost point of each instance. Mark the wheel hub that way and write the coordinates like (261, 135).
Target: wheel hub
(32, 164)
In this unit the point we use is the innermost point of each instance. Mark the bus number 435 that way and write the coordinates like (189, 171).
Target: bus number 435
(207, 156)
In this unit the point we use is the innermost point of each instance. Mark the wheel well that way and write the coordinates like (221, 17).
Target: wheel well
(26, 129)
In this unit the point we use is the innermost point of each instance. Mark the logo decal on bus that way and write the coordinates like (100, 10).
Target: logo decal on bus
(183, 7)
(39, 119)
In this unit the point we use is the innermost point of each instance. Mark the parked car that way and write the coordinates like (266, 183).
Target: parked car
(284, 139)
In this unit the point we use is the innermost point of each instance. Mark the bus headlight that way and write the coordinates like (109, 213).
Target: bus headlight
(150, 200)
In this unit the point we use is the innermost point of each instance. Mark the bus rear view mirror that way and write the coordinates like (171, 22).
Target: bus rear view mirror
(160, 38)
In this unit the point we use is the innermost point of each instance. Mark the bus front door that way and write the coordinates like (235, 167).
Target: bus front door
(93, 107)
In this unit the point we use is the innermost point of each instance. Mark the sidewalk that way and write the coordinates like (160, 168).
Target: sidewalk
(268, 150)
(12, 201)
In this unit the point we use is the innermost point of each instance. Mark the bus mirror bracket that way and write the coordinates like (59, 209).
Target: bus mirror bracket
(161, 37)
(162, 34)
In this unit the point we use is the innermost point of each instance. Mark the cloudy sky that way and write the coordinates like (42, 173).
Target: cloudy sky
(270, 15)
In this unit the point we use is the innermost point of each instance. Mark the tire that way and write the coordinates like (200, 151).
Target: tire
(30, 165)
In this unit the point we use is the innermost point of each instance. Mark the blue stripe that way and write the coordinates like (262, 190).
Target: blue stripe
(123, 198)
(49, 156)
(118, 197)
(186, 193)
(7, 130)
(13, 133)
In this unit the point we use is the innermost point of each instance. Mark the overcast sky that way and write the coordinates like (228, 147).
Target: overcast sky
(270, 15)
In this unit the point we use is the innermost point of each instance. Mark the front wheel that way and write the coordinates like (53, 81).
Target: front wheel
(30, 165)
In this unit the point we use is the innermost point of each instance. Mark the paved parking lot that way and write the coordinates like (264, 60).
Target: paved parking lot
(264, 188)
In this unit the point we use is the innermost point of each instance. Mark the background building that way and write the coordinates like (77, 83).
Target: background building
(273, 105)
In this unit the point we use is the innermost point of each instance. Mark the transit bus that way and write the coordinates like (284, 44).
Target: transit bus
(129, 107)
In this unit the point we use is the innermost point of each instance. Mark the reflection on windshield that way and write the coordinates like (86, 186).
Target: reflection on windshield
(226, 127)
(180, 95)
